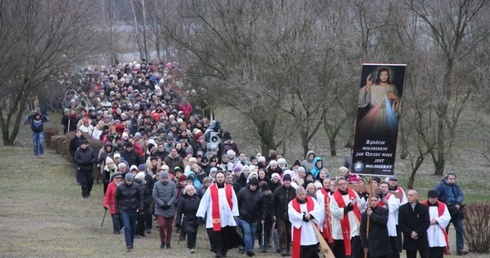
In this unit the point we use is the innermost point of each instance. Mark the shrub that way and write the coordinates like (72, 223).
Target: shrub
(477, 226)
(48, 132)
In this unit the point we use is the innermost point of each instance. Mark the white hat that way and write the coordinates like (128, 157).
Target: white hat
(108, 160)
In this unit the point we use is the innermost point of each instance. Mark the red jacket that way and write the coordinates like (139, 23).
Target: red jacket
(109, 197)
(187, 109)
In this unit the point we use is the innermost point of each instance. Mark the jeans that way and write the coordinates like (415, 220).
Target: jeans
(458, 225)
(38, 142)
(249, 229)
(129, 222)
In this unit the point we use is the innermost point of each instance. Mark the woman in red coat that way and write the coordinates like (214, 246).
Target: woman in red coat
(109, 202)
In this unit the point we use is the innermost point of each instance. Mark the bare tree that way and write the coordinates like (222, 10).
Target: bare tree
(456, 30)
(38, 39)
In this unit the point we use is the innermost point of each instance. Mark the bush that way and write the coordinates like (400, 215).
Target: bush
(477, 226)
(48, 133)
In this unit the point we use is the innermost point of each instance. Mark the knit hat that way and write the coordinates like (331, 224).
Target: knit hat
(297, 163)
(142, 167)
(164, 167)
(117, 155)
(117, 174)
(133, 167)
(287, 177)
(128, 177)
(274, 175)
(84, 141)
(264, 186)
(108, 160)
(318, 184)
(164, 175)
(253, 181)
(140, 176)
(182, 178)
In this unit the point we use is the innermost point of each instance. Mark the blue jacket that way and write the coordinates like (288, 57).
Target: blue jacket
(449, 193)
(315, 171)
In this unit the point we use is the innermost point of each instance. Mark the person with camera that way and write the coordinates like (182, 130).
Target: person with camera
(165, 197)
(449, 192)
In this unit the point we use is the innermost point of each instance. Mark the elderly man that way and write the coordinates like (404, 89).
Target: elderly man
(279, 208)
(389, 201)
(414, 220)
(219, 206)
(165, 197)
(303, 211)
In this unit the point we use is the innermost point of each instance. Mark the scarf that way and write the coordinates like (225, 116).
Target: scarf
(440, 211)
(297, 231)
(344, 223)
(215, 199)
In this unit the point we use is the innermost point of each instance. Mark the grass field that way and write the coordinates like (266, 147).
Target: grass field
(42, 212)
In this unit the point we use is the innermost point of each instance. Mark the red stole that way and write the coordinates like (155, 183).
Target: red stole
(344, 223)
(440, 211)
(380, 204)
(215, 199)
(297, 231)
(327, 225)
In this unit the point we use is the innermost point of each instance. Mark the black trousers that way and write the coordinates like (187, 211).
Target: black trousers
(394, 246)
(357, 251)
(424, 253)
(309, 251)
(86, 180)
(436, 252)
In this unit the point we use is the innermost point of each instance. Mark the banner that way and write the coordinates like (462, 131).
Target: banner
(378, 114)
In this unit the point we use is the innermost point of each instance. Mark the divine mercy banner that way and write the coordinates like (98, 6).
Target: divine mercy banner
(378, 114)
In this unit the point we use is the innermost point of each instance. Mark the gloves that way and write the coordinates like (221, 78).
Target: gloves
(348, 208)
(201, 220)
(141, 213)
(118, 214)
(106, 207)
(165, 206)
(178, 225)
(305, 219)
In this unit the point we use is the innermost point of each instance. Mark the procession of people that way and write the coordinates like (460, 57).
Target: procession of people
(160, 163)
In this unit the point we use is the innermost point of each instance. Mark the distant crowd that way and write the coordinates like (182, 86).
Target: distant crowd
(163, 158)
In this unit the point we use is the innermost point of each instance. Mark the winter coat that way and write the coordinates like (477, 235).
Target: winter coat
(378, 232)
(316, 171)
(85, 159)
(280, 200)
(165, 194)
(109, 198)
(251, 205)
(129, 197)
(187, 208)
(132, 158)
(75, 142)
(173, 162)
(449, 194)
(308, 165)
(146, 191)
(417, 220)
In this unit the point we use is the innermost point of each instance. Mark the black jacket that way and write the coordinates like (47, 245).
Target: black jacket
(75, 142)
(251, 205)
(129, 197)
(280, 200)
(85, 159)
(187, 206)
(378, 232)
(417, 220)
(132, 158)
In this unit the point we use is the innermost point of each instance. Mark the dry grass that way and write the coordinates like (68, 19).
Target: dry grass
(43, 214)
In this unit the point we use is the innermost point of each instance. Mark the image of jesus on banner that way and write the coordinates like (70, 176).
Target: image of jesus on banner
(382, 100)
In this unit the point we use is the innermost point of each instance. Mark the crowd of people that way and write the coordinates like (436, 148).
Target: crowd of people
(161, 160)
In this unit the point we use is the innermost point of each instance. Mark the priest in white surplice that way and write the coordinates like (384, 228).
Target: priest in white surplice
(304, 213)
(345, 207)
(389, 201)
(439, 219)
(220, 207)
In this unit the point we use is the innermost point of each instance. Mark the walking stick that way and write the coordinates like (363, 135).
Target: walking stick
(271, 237)
(369, 207)
(101, 224)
